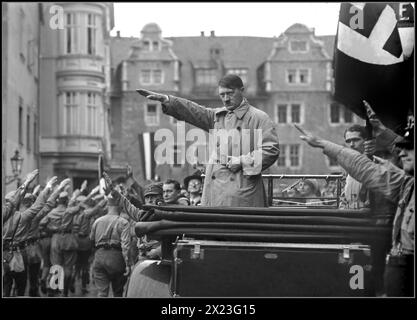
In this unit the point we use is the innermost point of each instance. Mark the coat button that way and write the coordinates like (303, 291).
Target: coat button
(213, 177)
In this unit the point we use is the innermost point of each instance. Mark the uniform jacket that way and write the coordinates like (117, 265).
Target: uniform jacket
(21, 220)
(221, 186)
(389, 181)
(112, 229)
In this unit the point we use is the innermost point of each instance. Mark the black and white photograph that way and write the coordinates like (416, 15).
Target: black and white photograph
(208, 150)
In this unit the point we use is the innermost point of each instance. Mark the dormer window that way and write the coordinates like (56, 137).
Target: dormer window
(216, 52)
(155, 46)
(146, 45)
(298, 46)
(298, 76)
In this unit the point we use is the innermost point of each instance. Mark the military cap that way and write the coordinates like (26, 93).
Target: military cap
(153, 189)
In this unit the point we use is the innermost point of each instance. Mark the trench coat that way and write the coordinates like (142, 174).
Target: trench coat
(222, 187)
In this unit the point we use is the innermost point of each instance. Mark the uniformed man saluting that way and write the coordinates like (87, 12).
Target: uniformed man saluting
(111, 237)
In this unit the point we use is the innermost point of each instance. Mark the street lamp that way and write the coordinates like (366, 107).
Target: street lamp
(17, 162)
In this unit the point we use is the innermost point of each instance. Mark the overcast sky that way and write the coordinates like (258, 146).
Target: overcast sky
(226, 19)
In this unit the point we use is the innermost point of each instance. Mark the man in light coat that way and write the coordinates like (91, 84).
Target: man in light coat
(233, 178)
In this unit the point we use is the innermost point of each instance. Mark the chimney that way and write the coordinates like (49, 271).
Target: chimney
(118, 33)
(202, 33)
(212, 33)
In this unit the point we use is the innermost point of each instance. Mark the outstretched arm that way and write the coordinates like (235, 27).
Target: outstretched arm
(183, 109)
(382, 177)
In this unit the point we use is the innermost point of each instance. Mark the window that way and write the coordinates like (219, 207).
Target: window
(22, 34)
(28, 146)
(71, 33)
(35, 136)
(151, 114)
(20, 133)
(298, 46)
(348, 115)
(334, 113)
(91, 33)
(145, 76)
(151, 77)
(155, 45)
(157, 76)
(282, 113)
(282, 155)
(242, 73)
(298, 76)
(291, 76)
(295, 155)
(146, 45)
(340, 114)
(292, 109)
(92, 114)
(289, 155)
(206, 77)
(295, 113)
(303, 74)
(71, 113)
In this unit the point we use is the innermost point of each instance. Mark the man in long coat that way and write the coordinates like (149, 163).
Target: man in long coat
(233, 172)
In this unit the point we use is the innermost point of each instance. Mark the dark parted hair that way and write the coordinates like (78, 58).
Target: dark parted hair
(176, 184)
(231, 81)
(357, 128)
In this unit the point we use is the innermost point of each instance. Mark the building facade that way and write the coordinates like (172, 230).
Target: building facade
(55, 81)
(289, 77)
(21, 23)
(74, 95)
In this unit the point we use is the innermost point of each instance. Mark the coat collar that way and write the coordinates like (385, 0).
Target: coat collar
(239, 111)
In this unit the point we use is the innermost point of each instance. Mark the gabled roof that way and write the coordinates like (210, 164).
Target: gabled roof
(240, 51)
(329, 43)
(120, 49)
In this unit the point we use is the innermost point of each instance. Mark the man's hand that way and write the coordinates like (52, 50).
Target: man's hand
(377, 126)
(36, 190)
(95, 191)
(109, 183)
(153, 95)
(370, 147)
(234, 164)
(51, 182)
(308, 137)
(64, 183)
(379, 160)
(83, 186)
(30, 178)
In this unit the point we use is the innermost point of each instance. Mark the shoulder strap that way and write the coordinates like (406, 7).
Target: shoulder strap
(113, 224)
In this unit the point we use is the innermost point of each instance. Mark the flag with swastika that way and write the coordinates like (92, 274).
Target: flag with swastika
(374, 60)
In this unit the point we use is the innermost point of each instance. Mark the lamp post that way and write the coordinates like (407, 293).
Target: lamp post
(16, 162)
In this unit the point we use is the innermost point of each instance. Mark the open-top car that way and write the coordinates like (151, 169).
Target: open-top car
(292, 248)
